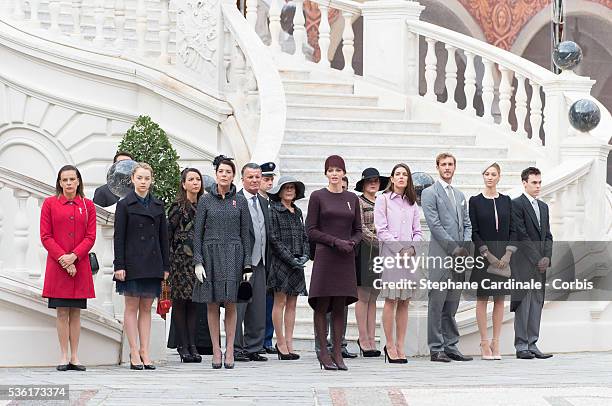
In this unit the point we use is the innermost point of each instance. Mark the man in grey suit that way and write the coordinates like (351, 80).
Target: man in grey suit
(446, 213)
(249, 341)
(530, 218)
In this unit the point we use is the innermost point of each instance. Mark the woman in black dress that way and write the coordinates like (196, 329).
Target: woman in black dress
(492, 233)
(289, 245)
(365, 309)
(141, 260)
(182, 277)
(334, 225)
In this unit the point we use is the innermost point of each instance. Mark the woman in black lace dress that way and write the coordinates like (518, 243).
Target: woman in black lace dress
(182, 277)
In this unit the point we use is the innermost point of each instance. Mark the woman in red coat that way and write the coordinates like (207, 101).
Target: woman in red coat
(68, 232)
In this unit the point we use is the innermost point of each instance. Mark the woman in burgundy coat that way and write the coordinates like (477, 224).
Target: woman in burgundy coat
(68, 232)
(334, 225)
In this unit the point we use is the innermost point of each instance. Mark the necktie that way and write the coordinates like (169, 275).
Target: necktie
(536, 208)
(254, 199)
(451, 196)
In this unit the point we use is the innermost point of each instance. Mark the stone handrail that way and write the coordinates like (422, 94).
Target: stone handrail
(41, 190)
(189, 44)
(24, 257)
(347, 9)
(563, 189)
(539, 111)
(254, 70)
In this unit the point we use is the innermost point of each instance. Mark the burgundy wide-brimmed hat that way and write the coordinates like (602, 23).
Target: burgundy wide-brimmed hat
(335, 161)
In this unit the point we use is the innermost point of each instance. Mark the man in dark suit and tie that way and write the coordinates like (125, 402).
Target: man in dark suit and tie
(250, 340)
(267, 182)
(530, 217)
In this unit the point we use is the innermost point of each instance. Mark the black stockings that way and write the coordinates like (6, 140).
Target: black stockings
(184, 316)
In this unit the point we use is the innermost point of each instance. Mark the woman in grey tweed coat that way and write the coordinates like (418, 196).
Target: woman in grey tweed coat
(221, 251)
(289, 245)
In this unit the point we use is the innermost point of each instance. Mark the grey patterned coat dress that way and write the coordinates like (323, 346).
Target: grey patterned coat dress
(288, 240)
(221, 244)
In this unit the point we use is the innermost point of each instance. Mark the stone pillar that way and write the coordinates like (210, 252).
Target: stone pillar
(390, 51)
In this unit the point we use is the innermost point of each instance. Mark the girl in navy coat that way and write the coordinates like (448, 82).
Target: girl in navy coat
(141, 260)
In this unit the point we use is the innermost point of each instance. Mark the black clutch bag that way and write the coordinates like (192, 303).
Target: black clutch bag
(245, 291)
(93, 262)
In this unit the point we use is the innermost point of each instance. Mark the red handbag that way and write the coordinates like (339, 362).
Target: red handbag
(163, 301)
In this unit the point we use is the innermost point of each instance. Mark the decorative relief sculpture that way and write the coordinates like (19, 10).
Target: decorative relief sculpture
(198, 29)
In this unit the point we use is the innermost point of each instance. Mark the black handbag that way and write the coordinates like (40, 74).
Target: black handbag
(93, 259)
(93, 262)
(245, 291)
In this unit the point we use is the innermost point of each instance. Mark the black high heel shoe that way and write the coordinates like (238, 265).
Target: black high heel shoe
(137, 367)
(366, 353)
(150, 367)
(282, 356)
(327, 365)
(394, 360)
(227, 365)
(340, 364)
(193, 351)
(217, 365)
(185, 355)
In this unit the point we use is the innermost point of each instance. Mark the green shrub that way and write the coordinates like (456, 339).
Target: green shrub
(147, 142)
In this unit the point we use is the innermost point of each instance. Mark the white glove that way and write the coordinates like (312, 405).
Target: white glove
(200, 272)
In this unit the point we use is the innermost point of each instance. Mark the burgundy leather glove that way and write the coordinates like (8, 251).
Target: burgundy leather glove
(343, 246)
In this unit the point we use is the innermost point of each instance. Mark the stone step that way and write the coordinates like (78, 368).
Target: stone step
(295, 85)
(415, 138)
(358, 162)
(316, 176)
(398, 151)
(316, 98)
(330, 111)
(294, 74)
(363, 124)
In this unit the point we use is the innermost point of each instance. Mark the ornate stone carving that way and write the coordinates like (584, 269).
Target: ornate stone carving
(198, 25)
(502, 20)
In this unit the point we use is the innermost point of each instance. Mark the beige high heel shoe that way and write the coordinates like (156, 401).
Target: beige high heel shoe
(496, 355)
(484, 345)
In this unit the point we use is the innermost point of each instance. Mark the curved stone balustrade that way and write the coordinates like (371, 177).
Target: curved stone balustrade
(22, 255)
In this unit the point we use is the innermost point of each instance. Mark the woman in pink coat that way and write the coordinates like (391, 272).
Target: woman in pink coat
(397, 221)
(68, 232)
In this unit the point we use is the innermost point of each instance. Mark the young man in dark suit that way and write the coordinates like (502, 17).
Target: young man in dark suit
(531, 219)
(267, 182)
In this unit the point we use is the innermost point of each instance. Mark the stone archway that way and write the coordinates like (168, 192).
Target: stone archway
(25, 150)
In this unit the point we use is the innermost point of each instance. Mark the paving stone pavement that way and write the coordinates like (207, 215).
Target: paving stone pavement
(578, 379)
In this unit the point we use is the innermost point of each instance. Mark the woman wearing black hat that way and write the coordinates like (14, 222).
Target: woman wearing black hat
(289, 254)
(334, 224)
(365, 308)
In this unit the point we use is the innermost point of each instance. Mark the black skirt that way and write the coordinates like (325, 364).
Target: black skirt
(364, 263)
(145, 287)
(54, 303)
